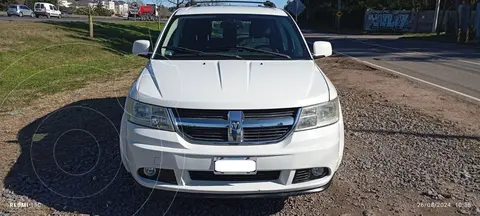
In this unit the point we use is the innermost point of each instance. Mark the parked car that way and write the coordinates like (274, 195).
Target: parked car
(67, 11)
(238, 111)
(46, 9)
(19, 10)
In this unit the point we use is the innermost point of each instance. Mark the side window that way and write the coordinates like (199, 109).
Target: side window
(243, 30)
(42, 6)
(283, 35)
(295, 48)
(172, 37)
(23, 7)
(51, 7)
(217, 31)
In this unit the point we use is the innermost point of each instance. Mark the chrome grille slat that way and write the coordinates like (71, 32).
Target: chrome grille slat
(264, 136)
(249, 123)
(212, 126)
(218, 123)
(205, 123)
(268, 128)
(202, 114)
(255, 114)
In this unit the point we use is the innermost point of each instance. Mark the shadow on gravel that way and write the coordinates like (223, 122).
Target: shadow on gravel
(429, 135)
(70, 161)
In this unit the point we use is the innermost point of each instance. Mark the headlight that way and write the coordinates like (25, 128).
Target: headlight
(148, 115)
(319, 115)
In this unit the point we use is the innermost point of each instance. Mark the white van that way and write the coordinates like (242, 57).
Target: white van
(46, 9)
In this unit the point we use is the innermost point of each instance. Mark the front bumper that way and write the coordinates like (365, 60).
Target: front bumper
(316, 189)
(144, 147)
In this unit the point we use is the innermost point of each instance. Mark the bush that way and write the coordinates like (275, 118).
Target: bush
(96, 11)
(102, 12)
(81, 11)
(5, 3)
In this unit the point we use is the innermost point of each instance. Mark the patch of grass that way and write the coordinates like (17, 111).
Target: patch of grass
(422, 34)
(46, 58)
(150, 25)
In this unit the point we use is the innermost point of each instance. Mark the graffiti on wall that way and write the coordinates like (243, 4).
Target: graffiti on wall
(388, 20)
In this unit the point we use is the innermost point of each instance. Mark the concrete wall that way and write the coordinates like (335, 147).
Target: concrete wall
(386, 20)
(407, 21)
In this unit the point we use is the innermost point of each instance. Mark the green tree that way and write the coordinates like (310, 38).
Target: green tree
(178, 3)
(323, 13)
(5, 3)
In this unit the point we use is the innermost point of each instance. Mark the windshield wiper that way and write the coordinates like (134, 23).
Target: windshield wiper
(263, 51)
(200, 53)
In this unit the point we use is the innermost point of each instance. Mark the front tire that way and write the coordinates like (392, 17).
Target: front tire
(32, 15)
(59, 16)
(20, 14)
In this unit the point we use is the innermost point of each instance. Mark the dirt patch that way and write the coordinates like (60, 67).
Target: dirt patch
(392, 88)
(395, 163)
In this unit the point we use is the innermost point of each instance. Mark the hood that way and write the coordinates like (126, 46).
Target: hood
(230, 84)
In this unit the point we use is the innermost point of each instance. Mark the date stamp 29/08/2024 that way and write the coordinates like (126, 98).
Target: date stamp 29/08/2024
(444, 204)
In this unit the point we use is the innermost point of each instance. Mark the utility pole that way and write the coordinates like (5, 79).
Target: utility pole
(437, 12)
(457, 14)
(339, 10)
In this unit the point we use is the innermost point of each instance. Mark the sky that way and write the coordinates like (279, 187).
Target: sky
(278, 3)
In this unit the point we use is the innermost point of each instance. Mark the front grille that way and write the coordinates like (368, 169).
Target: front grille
(212, 126)
(275, 113)
(265, 133)
(210, 176)
(163, 175)
(302, 175)
(205, 134)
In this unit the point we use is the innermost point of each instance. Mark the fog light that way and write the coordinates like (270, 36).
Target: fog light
(149, 171)
(317, 171)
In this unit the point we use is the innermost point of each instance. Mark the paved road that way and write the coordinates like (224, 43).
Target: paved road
(63, 19)
(452, 67)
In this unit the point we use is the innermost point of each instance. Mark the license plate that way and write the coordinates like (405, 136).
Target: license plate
(235, 165)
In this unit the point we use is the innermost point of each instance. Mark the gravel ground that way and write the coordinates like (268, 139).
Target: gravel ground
(402, 157)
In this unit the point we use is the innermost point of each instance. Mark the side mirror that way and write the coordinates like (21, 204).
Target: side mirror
(322, 49)
(141, 48)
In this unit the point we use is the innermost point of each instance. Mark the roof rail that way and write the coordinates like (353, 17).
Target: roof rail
(198, 3)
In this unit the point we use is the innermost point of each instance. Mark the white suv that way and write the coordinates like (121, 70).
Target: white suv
(232, 104)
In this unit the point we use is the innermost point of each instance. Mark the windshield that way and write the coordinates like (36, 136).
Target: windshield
(232, 36)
